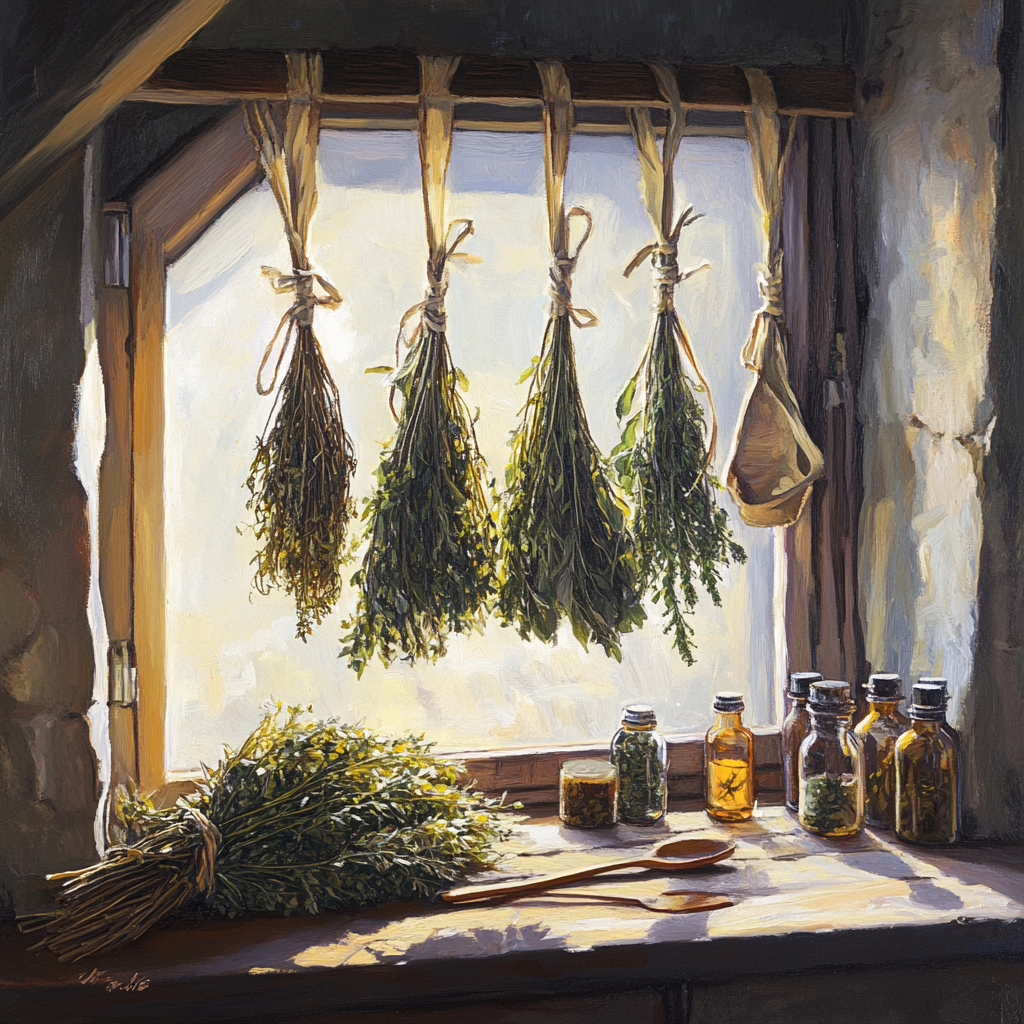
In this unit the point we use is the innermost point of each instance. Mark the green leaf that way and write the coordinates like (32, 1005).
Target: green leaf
(625, 402)
(462, 379)
(379, 369)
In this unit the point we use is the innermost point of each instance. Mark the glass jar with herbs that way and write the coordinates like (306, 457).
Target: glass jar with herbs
(878, 732)
(588, 793)
(641, 756)
(729, 762)
(831, 765)
(927, 770)
(794, 730)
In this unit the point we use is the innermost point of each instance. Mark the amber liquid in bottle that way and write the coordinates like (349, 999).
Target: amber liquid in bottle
(878, 733)
(926, 783)
(729, 763)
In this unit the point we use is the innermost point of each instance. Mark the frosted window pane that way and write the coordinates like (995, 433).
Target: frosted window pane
(229, 650)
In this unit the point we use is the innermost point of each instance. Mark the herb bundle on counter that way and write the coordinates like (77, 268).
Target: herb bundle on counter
(305, 816)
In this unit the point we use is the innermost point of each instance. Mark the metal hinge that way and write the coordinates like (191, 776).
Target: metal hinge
(122, 679)
(116, 244)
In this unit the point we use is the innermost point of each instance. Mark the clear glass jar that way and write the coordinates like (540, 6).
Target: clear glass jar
(927, 771)
(640, 753)
(878, 732)
(588, 792)
(794, 729)
(831, 765)
(729, 762)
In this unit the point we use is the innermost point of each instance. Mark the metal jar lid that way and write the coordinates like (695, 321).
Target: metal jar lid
(589, 768)
(639, 714)
(729, 701)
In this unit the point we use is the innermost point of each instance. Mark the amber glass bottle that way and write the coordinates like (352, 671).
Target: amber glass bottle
(729, 762)
(878, 732)
(831, 765)
(794, 729)
(927, 771)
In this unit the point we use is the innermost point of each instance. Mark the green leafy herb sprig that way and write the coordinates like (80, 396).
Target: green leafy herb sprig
(565, 548)
(682, 536)
(304, 816)
(429, 570)
(299, 487)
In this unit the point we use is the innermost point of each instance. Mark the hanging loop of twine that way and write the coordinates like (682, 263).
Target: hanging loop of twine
(563, 266)
(298, 314)
(206, 855)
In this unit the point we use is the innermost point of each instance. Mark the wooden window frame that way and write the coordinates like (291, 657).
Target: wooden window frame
(171, 210)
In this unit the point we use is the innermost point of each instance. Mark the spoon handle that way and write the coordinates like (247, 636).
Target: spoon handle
(500, 889)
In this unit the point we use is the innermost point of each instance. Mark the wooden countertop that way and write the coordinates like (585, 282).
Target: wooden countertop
(800, 903)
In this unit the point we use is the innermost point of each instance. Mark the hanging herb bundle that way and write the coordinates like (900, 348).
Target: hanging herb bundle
(565, 549)
(682, 536)
(305, 816)
(300, 477)
(429, 568)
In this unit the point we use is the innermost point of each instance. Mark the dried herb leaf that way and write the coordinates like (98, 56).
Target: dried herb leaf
(565, 549)
(429, 569)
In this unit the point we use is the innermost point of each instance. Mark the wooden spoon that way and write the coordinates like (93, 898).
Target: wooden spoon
(678, 902)
(671, 855)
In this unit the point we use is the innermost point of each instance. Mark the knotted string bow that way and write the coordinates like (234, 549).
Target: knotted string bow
(563, 266)
(298, 314)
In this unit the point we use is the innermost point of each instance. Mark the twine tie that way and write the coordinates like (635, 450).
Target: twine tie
(298, 314)
(563, 266)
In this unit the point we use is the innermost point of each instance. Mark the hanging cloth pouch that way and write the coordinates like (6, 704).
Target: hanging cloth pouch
(774, 462)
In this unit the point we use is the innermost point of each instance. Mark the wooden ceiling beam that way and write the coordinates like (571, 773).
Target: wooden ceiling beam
(392, 76)
(138, 57)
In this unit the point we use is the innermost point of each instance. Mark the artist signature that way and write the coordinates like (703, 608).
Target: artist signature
(134, 984)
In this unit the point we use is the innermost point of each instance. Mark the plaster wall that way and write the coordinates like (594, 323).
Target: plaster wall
(928, 176)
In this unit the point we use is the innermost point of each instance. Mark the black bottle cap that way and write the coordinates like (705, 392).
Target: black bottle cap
(800, 683)
(831, 696)
(639, 714)
(885, 686)
(729, 701)
(929, 700)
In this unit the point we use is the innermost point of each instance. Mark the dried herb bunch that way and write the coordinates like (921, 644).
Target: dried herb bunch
(299, 486)
(429, 569)
(305, 816)
(682, 535)
(300, 477)
(565, 549)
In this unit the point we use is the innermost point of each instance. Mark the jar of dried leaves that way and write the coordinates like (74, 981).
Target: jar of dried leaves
(587, 793)
(831, 765)
(641, 756)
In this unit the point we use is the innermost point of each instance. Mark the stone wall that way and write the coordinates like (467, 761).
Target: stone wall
(48, 787)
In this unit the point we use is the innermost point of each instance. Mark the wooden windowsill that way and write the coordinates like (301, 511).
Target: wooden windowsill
(530, 774)
(801, 905)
